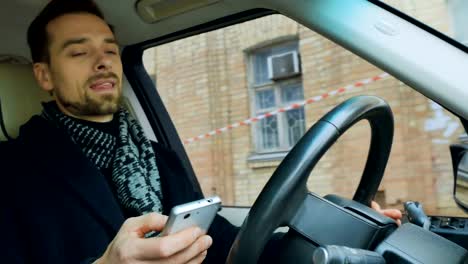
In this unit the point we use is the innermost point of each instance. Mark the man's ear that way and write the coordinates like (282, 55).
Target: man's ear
(43, 76)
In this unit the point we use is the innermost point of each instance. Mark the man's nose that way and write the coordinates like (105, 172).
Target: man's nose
(103, 62)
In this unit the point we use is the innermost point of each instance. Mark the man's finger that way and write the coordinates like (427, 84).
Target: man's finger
(163, 247)
(392, 213)
(146, 223)
(193, 251)
(375, 206)
(198, 259)
(395, 214)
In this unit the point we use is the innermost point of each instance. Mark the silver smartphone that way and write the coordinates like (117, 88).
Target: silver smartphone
(197, 213)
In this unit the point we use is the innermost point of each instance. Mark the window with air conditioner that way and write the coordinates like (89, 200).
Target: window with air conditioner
(275, 83)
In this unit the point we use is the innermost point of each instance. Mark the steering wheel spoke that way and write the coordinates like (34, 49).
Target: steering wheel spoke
(326, 223)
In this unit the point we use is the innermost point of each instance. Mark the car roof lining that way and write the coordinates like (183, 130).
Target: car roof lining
(129, 27)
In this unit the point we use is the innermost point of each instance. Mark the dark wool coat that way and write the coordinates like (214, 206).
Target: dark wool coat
(58, 208)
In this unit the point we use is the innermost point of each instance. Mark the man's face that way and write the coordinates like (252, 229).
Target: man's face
(85, 70)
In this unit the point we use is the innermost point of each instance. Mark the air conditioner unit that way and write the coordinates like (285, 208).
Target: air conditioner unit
(283, 65)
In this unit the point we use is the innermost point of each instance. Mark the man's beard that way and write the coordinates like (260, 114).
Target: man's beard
(92, 106)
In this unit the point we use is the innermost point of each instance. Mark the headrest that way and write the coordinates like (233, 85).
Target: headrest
(20, 95)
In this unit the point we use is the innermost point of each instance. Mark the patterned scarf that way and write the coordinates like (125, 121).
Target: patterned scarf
(135, 175)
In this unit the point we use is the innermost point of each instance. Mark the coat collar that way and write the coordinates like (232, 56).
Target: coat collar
(47, 142)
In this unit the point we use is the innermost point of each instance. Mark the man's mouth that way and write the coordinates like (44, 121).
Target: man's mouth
(103, 85)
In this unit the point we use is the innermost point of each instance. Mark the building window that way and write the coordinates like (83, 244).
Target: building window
(276, 82)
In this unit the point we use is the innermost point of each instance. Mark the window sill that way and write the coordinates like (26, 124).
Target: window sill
(263, 160)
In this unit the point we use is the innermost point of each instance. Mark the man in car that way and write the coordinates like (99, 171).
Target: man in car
(88, 184)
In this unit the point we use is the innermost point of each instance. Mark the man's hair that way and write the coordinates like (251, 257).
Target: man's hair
(38, 39)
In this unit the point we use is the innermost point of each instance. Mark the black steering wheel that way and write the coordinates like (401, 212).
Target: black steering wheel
(286, 191)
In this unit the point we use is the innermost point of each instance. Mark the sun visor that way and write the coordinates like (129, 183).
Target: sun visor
(152, 11)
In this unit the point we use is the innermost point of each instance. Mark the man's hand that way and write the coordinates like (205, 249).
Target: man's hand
(392, 213)
(131, 246)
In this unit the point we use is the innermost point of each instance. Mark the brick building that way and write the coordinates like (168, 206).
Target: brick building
(225, 76)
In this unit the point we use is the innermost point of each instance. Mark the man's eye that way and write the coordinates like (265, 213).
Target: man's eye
(77, 54)
(111, 52)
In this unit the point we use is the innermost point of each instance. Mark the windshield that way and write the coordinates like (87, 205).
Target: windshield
(242, 96)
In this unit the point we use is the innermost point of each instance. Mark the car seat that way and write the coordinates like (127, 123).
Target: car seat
(20, 96)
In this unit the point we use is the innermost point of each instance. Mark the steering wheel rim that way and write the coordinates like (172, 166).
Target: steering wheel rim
(286, 190)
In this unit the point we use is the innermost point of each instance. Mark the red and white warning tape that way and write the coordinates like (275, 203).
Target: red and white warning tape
(289, 107)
